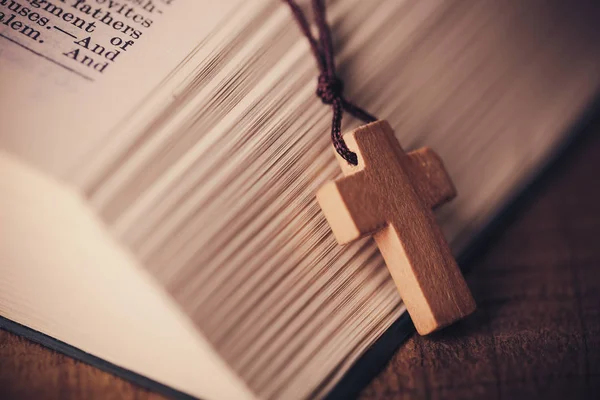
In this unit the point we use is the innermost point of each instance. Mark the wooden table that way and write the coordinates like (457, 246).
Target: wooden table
(536, 333)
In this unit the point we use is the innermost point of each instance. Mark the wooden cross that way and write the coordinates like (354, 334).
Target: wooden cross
(391, 194)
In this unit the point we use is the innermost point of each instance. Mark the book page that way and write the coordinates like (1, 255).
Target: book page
(70, 70)
(63, 274)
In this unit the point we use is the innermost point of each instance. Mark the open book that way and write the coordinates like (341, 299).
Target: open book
(159, 160)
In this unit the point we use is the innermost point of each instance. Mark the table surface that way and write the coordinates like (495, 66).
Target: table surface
(536, 333)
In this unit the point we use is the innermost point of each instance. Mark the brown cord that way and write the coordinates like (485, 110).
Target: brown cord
(329, 87)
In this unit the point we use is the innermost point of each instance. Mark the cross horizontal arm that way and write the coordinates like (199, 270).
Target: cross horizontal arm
(350, 207)
(430, 178)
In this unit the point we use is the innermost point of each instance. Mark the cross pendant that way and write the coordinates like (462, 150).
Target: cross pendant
(390, 195)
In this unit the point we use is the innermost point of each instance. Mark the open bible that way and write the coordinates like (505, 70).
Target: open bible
(159, 161)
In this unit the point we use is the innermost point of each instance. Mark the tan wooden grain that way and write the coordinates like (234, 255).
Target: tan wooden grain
(390, 195)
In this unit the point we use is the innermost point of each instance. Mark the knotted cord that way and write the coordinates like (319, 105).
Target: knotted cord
(330, 87)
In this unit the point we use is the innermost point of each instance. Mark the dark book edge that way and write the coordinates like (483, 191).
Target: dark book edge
(380, 353)
(87, 358)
